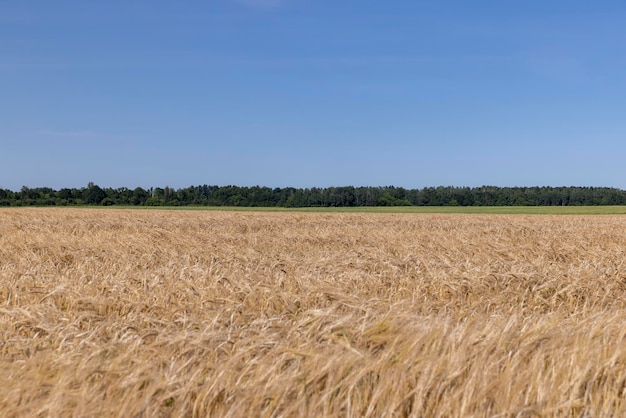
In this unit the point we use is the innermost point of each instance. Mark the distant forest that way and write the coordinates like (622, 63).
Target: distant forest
(347, 196)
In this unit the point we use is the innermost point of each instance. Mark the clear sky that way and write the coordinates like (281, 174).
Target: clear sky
(306, 93)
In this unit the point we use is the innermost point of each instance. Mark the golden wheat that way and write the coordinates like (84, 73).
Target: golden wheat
(191, 313)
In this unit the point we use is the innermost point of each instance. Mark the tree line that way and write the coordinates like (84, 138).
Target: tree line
(347, 196)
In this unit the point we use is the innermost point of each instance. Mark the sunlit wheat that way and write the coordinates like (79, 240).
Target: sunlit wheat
(193, 313)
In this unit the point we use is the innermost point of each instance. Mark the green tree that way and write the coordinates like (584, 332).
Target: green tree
(93, 194)
(139, 196)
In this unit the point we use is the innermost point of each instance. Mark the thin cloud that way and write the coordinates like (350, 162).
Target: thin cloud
(83, 136)
(68, 134)
(11, 15)
(260, 3)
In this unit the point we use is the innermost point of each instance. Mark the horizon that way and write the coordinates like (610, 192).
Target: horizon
(148, 188)
(296, 93)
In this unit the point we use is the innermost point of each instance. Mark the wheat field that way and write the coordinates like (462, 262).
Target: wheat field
(128, 313)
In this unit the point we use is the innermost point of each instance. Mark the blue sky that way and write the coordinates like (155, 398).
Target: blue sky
(312, 93)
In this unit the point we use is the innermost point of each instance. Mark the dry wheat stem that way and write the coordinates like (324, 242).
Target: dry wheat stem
(133, 313)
